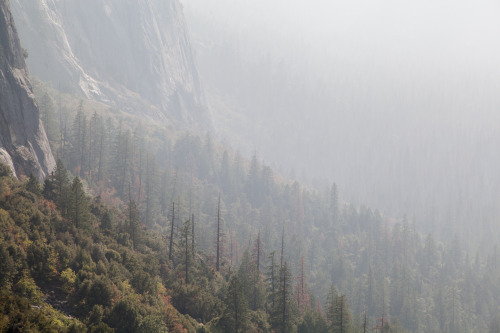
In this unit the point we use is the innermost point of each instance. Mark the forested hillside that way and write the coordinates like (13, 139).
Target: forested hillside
(143, 229)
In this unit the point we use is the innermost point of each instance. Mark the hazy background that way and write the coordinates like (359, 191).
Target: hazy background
(398, 102)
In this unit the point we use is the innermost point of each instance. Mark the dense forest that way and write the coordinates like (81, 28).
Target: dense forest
(146, 229)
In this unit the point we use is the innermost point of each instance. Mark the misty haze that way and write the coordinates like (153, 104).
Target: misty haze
(396, 102)
(228, 166)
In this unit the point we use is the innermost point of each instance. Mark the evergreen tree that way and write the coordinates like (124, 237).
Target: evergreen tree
(134, 223)
(312, 322)
(192, 235)
(236, 314)
(107, 221)
(334, 204)
(47, 114)
(252, 186)
(258, 290)
(494, 326)
(251, 281)
(172, 225)
(33, 185)
(185, 246)
(267, 182)
(97, 147)
(226, 178)
(150, 190)
(56, 187)
(453, 308)
(331, 302)
(218, 239)
(341, 321)
(246, 274)
(206, 160)
(272, 272)
(301, 293)
(78, 210)
(79, 142)
(5, 170)
(284, 312)
(122, 162)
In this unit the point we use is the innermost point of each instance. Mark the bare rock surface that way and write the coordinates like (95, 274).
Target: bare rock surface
(23, 143)
(134, 54)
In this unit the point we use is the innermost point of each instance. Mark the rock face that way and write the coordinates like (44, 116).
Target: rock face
(134, 54)
(23, 143)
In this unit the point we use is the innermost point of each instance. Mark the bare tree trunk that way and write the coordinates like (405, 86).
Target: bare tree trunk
(217, 264)
(171, 232)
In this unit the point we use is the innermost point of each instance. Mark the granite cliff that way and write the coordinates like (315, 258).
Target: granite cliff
(23, 143)
(134, 54)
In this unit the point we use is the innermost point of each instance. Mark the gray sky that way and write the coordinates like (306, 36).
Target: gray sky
(430, 30)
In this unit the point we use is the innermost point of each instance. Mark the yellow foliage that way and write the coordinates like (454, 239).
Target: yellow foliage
(54, 262)
(68, 278)
(161, 288)
(4, 216)
(26, 287)
(4, 322)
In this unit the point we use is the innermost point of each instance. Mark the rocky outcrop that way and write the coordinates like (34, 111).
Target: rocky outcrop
(23, 143)
(135, 54)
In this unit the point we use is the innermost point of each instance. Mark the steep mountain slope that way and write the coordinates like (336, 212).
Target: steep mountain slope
(134, 54)
(23, 143)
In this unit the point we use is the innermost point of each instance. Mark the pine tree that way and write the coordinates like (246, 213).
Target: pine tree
(56, 187)
(134, 222)
(453, 308)
(236, 315)
(122, 162)
(96, 151)
(253, 182)
(341, 321)
(494, 326)
(107, 221)
(206, 160)
(47, 113)
(284, 312)
(226, 179)
(185, 245)
(150, 190)
(79, 141)
(257, 252)
(312, 322)
(245, 274)
(33, 185)
(164, 193)
(331, 300)
(192, 235)
(301, 295)
(172, 224)
(334, 204)
(78, 210)
(272, 271)
(257, 298)
(218, 239)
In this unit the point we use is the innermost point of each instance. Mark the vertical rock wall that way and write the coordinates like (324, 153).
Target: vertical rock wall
(134, 54)
(23, 143)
